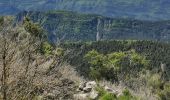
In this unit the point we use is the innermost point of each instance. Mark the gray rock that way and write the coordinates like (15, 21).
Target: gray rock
(91, 84)
(87, 89)
(93, 95)
(81, 86)
(81, 96)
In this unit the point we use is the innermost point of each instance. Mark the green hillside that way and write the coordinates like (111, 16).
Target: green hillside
(138, 9)
(32, 67)
(71, 26)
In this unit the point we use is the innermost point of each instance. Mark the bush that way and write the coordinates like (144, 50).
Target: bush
(104, 95)
(155, 81)
(127, 96)
(110, 65)
(46, 48)
(165, 93)
(33, 28)
(95, 74)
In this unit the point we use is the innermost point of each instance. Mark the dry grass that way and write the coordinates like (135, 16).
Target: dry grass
(29, 73)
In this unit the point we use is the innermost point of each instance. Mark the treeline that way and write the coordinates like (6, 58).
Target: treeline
(135, 64)
(155, 52)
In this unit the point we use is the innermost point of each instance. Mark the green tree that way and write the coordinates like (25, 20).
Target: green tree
(33, 28)
(111, 65)
(116, 59)
(96, 60)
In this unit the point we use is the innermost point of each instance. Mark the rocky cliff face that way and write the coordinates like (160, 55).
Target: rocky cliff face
(73, 26)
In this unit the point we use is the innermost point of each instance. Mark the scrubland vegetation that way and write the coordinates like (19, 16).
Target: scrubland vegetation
(32, 68)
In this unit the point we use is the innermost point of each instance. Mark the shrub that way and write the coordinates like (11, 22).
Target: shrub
(96, 60)
(33, 28)
(155, 81)
(127, 96)
(46, 48)
(165, 93)
(104, 95)
(110, 65)
(95, 74)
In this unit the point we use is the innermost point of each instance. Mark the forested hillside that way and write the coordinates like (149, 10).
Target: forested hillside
(83, 61)
(84, 49)
(155, 52)
(138, 9)
(139, 65)
(71, 26)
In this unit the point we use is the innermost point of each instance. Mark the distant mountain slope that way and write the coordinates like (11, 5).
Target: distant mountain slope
(140, 9)
(71, 26)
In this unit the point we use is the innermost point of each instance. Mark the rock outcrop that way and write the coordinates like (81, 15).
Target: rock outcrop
(87, 90)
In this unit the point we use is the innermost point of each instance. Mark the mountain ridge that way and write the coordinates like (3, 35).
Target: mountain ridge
(75, 26)
(139, 9)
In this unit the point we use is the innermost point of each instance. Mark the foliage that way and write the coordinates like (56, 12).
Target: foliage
(59, 52)
(83, 27)
(46, 48)
(97, 64)
(153, 52)
(104, 95)
(116, 59)
(1, 20)
(155, 81)
(33, 28)
(106, 65)
(165, 93)
(127, 96)
(108, 96)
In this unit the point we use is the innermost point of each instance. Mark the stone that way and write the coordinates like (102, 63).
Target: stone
(81, 96)
(87, 89)
(89, 86)
(81, 86)
(93, 95)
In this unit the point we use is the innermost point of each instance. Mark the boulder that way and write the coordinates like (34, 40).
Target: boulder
(81, 86)
(81, 96)
(89, 86)
(87, 90)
